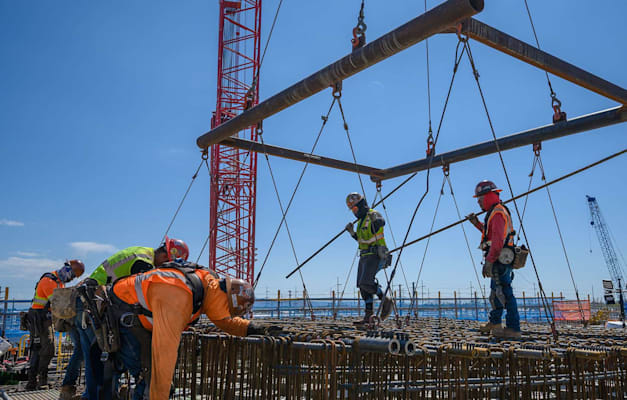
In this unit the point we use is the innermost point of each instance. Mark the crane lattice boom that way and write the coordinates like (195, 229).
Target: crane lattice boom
(611, 259)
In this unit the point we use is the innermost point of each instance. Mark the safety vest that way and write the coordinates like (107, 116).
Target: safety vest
(133, 290)
(119, 265)
(365, 237)
(41, 301)
(508, 233)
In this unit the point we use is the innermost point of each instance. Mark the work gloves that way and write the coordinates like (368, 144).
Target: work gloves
(472, 217)
(349, 229)
(487, 269)
(265, 330)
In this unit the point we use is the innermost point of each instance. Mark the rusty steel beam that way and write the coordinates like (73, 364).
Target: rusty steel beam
(525, 52)
(580, 124)
(301, 156)
(428, 24)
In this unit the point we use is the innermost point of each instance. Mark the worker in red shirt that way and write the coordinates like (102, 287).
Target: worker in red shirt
(163, 302)
(497, 231)
(40, 321)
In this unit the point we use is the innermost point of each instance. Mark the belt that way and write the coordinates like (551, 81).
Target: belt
(369, 250)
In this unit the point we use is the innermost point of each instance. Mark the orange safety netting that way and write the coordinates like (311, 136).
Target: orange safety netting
(569, 310)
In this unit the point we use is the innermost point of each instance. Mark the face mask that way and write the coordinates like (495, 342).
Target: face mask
(65, 273)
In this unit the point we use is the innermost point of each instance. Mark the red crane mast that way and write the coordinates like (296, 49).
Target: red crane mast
(234, 171)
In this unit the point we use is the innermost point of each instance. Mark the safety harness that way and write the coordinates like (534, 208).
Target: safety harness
(38, 300)
(192, 280)
(508, 240)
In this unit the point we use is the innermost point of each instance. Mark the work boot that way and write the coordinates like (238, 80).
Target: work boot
(366, 319)
(43, 381)
(67, 392)
(507, 333)
(31, 385)
(386, 308)
(488, 327)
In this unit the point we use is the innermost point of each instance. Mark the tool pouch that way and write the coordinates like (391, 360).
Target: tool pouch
(63, 303)
(62, 325)
(520, 258)
(24, 321)
(108, 335)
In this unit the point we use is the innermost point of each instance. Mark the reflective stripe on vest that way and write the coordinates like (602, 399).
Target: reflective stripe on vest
(365, 237)
(119, 265)
(509, 228)
(141, 294)
(43, 301)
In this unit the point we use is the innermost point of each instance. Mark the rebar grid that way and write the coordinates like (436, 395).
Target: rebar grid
(428, 358)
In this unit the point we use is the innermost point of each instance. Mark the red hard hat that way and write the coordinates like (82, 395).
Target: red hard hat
(176, 248)
(484, 187)
(241, 296)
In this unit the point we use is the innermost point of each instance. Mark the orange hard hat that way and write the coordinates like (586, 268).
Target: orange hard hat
(241, 296)
(78, 267)
(176, 248)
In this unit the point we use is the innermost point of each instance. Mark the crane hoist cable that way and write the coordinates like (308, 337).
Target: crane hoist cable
(547, 310)
(430, 143)
(176, 213)
(556, 104)
(325, 119)
(359, 31)
(337, 235)
(554, 181)
(250, 94)
(559, 231)
(435, 214)
(472, 260)
(284, 217)
(337, 94)
(391, 230)
(215, 222)
(431, 154)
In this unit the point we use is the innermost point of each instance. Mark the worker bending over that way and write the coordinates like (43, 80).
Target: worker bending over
(373, 253)
(131, 260)
(497, 231)
(39, 321)
(165, 301)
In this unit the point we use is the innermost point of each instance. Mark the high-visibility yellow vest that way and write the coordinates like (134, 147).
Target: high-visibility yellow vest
(365, 237)
(119, 265)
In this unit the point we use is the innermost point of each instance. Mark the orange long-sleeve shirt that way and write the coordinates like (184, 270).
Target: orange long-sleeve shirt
(44, 290)
(171, 309)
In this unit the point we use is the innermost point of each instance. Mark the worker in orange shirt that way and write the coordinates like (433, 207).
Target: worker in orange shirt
(165, 301)
(40, 321)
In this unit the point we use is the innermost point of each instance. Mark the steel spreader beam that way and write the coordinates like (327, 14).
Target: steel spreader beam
(580, 124)
(301, 156)
(428, 24)
(516, 48)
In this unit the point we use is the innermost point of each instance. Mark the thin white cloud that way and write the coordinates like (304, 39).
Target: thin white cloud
(27, 254)
(8, 222)
(21, 267)
(84, 248)
(377, 84)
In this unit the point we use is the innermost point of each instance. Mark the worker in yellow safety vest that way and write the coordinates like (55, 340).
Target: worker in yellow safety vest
(373, 254)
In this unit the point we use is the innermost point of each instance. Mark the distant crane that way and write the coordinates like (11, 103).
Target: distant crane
(611, 259)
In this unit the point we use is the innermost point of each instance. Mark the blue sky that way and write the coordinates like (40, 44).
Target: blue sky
(102, 102)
